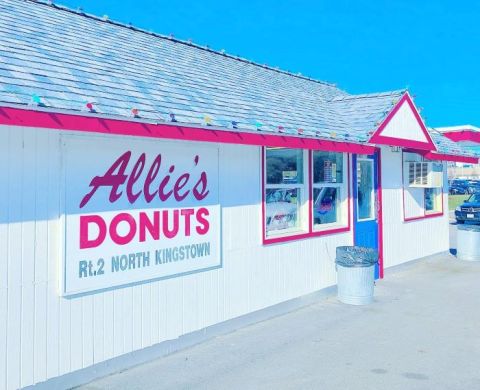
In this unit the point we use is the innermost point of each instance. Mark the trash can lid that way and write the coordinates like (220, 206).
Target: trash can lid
(470, 228)
(356, 256)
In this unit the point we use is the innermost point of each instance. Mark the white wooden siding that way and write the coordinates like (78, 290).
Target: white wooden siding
(405, 241)
(43, 335)
(404, 125)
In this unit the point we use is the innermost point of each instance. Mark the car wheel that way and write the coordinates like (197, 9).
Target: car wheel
(460, 222)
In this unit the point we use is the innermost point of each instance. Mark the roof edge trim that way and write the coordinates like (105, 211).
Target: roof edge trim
(10, 116)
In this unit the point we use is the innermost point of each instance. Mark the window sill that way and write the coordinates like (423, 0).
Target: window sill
(426, 216)
(278, 238)
(328, 227)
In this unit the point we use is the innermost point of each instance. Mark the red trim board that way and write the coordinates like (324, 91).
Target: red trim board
(463, 135)
(380, 214)
(449, 157)
(379, 139)
(443, 157)
(91, 124)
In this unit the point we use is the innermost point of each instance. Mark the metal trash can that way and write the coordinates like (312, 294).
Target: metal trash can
(468, 242)
(356, 274)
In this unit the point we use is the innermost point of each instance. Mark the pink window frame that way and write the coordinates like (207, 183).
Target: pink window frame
(425, 214)
(311, 232)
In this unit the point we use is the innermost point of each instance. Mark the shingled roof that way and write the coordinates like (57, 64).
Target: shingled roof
(63, 59)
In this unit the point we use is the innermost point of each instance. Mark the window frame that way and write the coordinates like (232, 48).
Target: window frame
(344, 194)
(426, 213)
(303, 204)
(306, 229)
(373, 216)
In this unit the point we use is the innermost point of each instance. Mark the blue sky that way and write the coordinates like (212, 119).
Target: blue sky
(433, 47)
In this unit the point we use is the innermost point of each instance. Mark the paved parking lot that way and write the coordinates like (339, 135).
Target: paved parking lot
(421, 333)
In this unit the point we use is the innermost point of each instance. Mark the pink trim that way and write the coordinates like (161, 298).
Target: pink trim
(463, 135)
(351, 203)
(349, 189)
(311, 233)
(30, 118)
(379, 139)
(264, 227)
(444, 157)
(380, 214)
(310, 191)
(276, 240)
(425, 214)
(449, 157)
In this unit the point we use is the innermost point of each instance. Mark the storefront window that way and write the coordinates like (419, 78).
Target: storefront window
(423, 182)
(327, 167)
(326, 206)
(283, 208)
(328, 187)
(306, 193)
(284, 190)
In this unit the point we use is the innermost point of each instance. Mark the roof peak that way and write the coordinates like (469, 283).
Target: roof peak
(105, 19)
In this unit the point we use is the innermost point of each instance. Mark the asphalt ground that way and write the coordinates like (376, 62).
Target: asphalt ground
(422, 332)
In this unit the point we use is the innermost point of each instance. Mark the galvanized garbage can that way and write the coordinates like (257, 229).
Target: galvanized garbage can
(468, 242)
(356, 274)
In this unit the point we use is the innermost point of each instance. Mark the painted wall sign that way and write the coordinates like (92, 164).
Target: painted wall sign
(136, 211)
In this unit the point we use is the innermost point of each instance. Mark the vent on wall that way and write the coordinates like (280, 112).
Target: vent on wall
(424, 174)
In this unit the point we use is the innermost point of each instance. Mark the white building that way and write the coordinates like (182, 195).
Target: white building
(156, 193)
(468, 137)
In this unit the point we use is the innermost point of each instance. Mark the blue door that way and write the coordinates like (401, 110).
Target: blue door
(365, 201)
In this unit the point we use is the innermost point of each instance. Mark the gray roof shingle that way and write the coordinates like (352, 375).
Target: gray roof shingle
(68, 58)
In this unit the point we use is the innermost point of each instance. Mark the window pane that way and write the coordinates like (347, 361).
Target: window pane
(284, 166)
(365, 189)
(432, 199)
(282, 208)
(327, 167)
(326, 205)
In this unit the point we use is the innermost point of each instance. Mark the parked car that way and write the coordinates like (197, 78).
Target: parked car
(461, 186)
(473, 186)
(457, 190)
(469, 211)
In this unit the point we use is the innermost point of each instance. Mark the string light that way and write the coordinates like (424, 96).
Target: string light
(37, 100)
(172, 118)
(300, 131)
(234, 125)
(258, 125)
(90, 107)
(281, 129)
(333, 134)
(207, 120)
(135, 113)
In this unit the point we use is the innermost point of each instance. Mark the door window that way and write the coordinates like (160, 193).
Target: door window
(365, 190)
